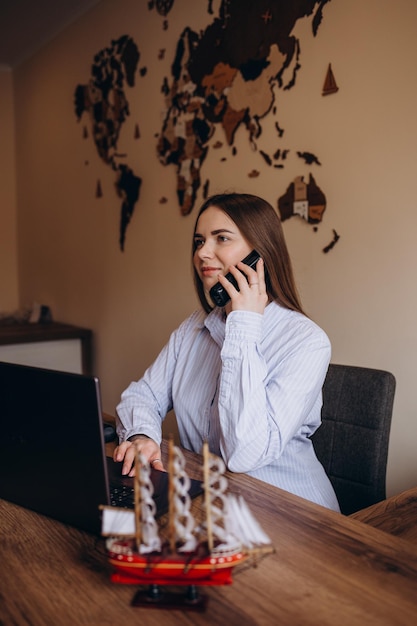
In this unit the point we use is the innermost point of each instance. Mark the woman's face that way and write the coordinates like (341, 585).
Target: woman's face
(218, 245)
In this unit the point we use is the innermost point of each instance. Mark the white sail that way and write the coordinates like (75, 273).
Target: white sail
(217, 501)
(117, 522)
(149, 532)
(241, 523)
(122, 522)
(184, 522)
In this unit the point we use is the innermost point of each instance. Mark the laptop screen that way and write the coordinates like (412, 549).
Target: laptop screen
(52, 454)
(52, 450)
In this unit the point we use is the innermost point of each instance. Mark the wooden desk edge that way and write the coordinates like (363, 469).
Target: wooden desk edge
(396, 515)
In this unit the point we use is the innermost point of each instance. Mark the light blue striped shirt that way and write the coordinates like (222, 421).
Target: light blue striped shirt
(250, 385)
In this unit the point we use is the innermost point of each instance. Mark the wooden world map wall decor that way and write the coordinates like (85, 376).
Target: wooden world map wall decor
(104, 100)
(228, 75)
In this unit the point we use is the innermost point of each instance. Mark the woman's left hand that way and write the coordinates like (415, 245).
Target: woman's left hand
(252, 294)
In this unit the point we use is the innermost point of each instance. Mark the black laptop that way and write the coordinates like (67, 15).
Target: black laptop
(52, 448)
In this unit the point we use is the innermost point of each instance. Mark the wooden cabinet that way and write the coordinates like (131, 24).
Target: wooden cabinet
(51, 345)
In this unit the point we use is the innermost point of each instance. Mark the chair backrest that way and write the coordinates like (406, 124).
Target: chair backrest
(352, 442)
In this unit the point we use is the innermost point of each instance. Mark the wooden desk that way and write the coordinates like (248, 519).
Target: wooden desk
(327, 569)
(396, 515)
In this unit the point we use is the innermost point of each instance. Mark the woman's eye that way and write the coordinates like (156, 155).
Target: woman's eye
(223, 238)
(198, 243)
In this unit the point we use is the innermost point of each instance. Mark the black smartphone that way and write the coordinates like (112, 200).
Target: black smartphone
(218, 293)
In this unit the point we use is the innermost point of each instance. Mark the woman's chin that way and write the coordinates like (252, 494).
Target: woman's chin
(209, 282)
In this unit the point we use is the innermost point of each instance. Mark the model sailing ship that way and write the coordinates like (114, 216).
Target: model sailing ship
(192, 553)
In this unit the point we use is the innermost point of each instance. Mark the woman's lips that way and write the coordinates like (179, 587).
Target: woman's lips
(210, 271)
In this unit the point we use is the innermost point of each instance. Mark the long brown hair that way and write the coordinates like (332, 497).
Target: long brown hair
(261, 227)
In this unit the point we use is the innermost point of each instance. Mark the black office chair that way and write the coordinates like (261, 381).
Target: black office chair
(352, 442)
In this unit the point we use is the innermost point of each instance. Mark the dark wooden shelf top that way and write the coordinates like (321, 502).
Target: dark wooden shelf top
(44, 331)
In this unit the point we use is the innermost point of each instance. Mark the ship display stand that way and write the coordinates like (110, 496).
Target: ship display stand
(162, 597)
(182, 553)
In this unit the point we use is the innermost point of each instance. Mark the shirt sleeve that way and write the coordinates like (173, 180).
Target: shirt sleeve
(265, 399)
(145, 403)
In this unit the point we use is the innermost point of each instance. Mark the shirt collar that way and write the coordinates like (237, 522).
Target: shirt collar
(215, 322)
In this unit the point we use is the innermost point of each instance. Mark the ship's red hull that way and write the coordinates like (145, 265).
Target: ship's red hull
(176, 569)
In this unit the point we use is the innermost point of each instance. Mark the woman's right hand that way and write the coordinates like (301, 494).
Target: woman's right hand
(127, 452)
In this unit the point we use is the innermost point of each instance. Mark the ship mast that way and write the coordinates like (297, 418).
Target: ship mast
(171, 496)
(138, 523)
(207, 496)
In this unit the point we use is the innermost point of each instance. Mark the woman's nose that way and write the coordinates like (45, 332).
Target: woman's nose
(205, 251)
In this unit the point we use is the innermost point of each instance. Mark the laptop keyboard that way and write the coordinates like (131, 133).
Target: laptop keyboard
(122, 496)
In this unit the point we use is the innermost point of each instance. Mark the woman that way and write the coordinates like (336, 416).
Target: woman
(247, 377)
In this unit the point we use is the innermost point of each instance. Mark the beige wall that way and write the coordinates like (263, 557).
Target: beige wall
(363, 293)
(9, 282)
